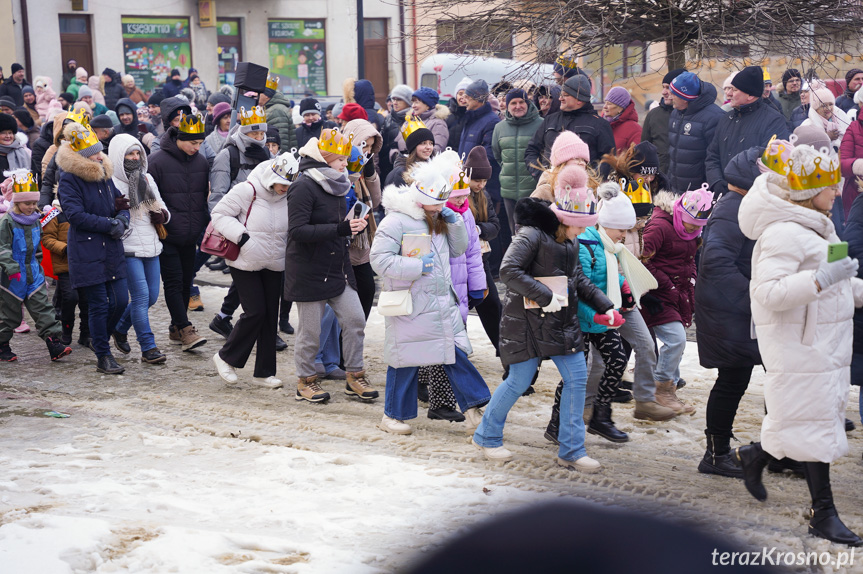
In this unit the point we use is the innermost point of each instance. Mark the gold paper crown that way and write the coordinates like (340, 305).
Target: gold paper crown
(567, 61)
(818, 177)
(80, 116)
(256, 115)
(192, 123)
(83, 139)
(638, 195)
(356, 165)
(24, 183)
(273, 81)
(584, 202)
(329, 144)
(775, 161)
(463, 181)
(411, 124)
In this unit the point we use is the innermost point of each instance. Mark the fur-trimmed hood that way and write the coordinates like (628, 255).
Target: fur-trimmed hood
(400, 200)
(72, 162)
(664, 200)
(440, 112)
(532, 212)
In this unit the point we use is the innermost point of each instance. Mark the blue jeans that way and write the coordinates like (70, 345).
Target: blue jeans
(467, 384)
(143, 279)
(329, 352)
(673, 337)
(107, 302)
(573, 370)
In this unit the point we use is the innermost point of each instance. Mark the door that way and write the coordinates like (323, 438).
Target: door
(377, 57)
(76, 42)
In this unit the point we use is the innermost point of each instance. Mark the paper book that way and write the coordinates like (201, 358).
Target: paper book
(416, 245)
(559, 285)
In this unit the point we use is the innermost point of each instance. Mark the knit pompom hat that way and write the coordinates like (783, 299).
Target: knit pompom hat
(615, 209)
(804, 161)
(574, 202)
(822, 96)
(568, 146)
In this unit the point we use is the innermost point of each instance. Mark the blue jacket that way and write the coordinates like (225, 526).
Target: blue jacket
(20, 252)
(364, 94)
(478, 130)
(87, 195)
(690, 132)
(591, 255)
(799, 115)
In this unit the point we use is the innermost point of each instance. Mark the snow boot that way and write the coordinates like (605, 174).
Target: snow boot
(221, 325)
(602, 425)
(445, 413)
(824, 521)
(652, 411)
(6, 354)
(553, 428)
(779, 466)
(308, 389)
(358, 386)
(753, 459)
(109, 366)
(57, 349)
(666, 395)
(717, 458)
(190, 338)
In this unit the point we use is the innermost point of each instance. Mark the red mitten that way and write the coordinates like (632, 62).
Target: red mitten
(606, 321)
(626, 296)
(15, 276)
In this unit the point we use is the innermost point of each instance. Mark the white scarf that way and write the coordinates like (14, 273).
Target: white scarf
(636, 274)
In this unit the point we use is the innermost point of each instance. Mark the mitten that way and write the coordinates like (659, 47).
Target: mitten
(626, 296)
(610, 318)
(369, 169)
(448, 215)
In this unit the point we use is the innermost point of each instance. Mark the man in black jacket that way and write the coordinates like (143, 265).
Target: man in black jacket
(576, 115)
(113, 88)
(14, 85)
(655, 128)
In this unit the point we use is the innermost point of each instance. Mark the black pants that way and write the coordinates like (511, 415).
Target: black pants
(231, 302)
(177, 263)
(70, 299)
(490, 309)
(259, 292)
(610, 346)
(731, 383)
(365, 286)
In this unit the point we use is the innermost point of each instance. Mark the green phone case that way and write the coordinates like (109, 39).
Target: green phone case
(837, 251)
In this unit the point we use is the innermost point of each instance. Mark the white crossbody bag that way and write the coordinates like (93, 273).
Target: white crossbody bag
(396, 303)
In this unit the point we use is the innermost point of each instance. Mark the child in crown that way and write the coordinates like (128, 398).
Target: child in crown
(21, 276)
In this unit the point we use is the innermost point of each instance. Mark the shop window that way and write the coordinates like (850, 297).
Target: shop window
(153, 47)
(298, 56)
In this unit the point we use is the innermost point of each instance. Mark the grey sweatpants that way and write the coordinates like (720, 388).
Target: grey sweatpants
(349, 312)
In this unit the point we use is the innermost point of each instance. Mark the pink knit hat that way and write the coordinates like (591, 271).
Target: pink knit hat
(568, 146)
(574, 203)
(822, 96)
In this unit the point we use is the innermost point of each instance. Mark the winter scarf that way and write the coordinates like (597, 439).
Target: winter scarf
(141, 197)
(253, 149)
(25, 219)
(677, 218)
(19, 152)
(636, 274)
(464, 207)
(334, 182)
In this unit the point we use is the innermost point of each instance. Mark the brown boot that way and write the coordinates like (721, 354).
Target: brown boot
(358, 386)
(653, 411)
(190, 338)
(173, 335)
(308, 389)
(666, 395)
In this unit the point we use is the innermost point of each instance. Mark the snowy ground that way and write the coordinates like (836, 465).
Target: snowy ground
(165, 469)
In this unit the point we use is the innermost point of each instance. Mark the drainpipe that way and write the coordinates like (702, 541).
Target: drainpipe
(25, 23)
(404, 48)
(414, 34)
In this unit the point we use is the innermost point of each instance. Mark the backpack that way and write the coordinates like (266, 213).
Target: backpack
(234, 157)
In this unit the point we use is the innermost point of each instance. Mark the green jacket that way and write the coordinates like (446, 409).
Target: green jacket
(73, 88)
(280, 115)
(508, 143)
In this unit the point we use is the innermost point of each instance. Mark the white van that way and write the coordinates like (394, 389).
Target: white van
(442, 72)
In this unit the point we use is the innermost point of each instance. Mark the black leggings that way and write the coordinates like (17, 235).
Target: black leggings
(610, 346)
(365, 286)
(730, 386)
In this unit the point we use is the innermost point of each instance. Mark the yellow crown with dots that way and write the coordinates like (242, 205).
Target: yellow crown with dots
(567, 61)
(775, 156)
(273, 82)
(331, 142)
(463, 181)
(192, 123)
(639, 194)
(817, 178)
(412, 124)
(83, 139)
(79, 116)
(24, 182)
(256, 115)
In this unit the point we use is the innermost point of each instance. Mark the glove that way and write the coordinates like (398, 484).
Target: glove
(474, 298)
(369, 169)
(157, 217)
(448, 215)
(831, 273)
(555, 304)
(148, 139)
(857, 167)
(428, 263)
(121, 203)
(117, 228)
(610, 318)
(653, 305)
(15, 277)
(720, 188)
(626, 295)
(243, 239)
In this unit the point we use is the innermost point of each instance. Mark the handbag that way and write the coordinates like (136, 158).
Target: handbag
(214, 243)
(396, 303)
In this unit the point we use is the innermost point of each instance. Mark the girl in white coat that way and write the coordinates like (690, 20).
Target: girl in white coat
(802, 307)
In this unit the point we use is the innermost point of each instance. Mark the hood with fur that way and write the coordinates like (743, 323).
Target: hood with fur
(664, 200)
(72, 162)
(399, 199)
(58, 127)
(532, 212)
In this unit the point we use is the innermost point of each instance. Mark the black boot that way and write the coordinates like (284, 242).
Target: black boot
(849, 425)
(153, 356)
(6, 354)
(753, 459)
(423, 392)
(718, 460)
(56, 348)
(781, 465)
(446, 414)
(553, 427)
(121, 341)
(529, 390)
(824, 522)
(109, 366)
(621, 396)
(280, 344)
(602, 425)
(221, 325)
(66, 337)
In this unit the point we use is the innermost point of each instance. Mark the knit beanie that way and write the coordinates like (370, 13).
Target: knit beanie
(477, 164)
(822, 96)
(568, 146)
(309, 106)
(743, 168)
(220, 110)
(81, 73)
(218, 98)
(812, 135)
(156, 98)
(101, 121)
(8, 123)
(84, 92)
(578, 87)
(686, 86)
(417, 137)
(646, 153)
(16, 67)
(618, 96)
(122, 107)
(259, 127)
(427, 96)
(805, 160)
(353, 111)
(750, 80)
(478, 90)
(850, 75)
(8, 102)
(24, 117)
(402, 92)
(615, 209)
(109, 72)
(574, 203)
(516, 93)
(28, 90)
(788, 74)
(463, 84)
(669, 77)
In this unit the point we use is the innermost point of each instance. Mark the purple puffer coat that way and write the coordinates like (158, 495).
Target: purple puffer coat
(466, 269)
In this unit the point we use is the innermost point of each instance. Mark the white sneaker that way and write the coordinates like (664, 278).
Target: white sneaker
(225, 370)
(270, 382)
(583, 464)
(493, 453)
(394, 426)
(473, 417)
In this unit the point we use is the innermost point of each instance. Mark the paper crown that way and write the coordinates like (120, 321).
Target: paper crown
(273, 81)
(817, 178)
(24, 182)
(79, 116)
(567, 61)
(286, 165)
(83, 139)
(577, 201)
(698, 203)
(436, 187)
(192, 123)
(640, 194)
(256, 115)
(329, 143)
(463, 181)
(410, 125)
(775, 156)
(358, 159)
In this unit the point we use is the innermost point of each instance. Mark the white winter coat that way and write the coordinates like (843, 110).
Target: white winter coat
(141, 239)
(267, 225)
(804, 336)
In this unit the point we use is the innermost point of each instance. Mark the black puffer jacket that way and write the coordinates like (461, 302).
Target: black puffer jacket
(690, 132)
(183, 181)
(114, 91)
(317, 261)
(40, 146)
(306, 132)
(655, 131)
(530, 333)
(390, 133)
(455, 123)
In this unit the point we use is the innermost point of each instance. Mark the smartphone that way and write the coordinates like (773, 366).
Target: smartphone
(837, 251)
(142, 128)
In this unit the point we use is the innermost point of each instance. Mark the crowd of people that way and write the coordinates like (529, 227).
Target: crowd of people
(610, 238)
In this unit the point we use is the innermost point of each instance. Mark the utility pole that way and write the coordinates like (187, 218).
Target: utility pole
(361, 51)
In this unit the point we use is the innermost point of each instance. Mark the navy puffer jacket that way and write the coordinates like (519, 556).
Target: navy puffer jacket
(690, 132)
(478, 130)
